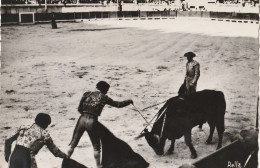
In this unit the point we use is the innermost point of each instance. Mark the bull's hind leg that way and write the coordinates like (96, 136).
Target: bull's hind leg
(187, 138)
(220, 128)
(211, 132)
(171, 149)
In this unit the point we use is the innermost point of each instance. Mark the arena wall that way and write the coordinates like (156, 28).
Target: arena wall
(71, 12)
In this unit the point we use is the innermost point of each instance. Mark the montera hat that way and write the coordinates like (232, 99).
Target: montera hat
(102, 85)
(43, 120)
(189, 54)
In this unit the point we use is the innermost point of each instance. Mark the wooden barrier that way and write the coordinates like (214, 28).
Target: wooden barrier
(143, 14)
(205, 14)
(235, 154)
(226, 15)
(46, 16)
(11, 18)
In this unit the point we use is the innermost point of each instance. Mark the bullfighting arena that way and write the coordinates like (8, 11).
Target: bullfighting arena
(48, 70)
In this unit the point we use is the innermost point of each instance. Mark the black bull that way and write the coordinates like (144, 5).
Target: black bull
(181, 115)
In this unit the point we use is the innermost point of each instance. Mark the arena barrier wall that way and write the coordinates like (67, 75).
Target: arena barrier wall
(10, 14)
(235, 154)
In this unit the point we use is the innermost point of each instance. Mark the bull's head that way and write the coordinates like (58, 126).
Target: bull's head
(153, 140)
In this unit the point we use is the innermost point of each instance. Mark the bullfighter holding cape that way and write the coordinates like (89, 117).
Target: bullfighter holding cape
(29, 140)
(115, 152)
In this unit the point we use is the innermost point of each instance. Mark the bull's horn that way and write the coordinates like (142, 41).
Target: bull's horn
(140, 136)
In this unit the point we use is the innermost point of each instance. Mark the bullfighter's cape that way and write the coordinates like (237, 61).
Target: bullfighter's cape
(115, 152)
(70, 163)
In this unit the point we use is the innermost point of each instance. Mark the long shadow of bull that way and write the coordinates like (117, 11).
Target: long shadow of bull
(178, 116)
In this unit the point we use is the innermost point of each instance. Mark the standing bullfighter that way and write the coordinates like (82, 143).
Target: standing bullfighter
(192, 74)
(90, 107)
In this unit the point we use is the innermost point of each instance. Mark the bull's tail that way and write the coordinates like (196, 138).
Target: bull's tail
(220, 123)
(222, 103)
(221, 111)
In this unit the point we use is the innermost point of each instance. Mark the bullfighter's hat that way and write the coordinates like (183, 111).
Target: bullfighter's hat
(189, 54)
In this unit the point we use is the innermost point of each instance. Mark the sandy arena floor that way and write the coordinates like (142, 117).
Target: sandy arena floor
(46, 70)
